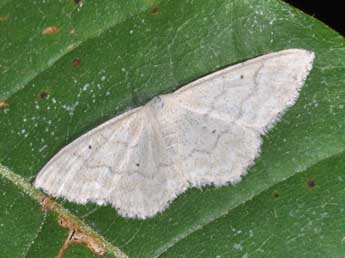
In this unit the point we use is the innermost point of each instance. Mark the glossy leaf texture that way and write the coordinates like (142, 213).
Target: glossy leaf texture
(67, 66)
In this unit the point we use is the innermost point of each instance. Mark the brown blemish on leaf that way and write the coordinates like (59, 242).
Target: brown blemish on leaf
(276, 195)
(52, 206)
(3, 104)
(44, 95)
(46, 203)
(311, 184)
(76, 62)
(77, 236)
(155, 10)
(3, 18)
(79, 2)
(77, 232)
(50, 30)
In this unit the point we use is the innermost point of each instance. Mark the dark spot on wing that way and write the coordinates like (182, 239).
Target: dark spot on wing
(90, 147)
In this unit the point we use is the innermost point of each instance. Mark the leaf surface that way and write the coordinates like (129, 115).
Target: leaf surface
(106, 58)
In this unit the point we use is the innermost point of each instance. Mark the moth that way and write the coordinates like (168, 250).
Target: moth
(208, 132)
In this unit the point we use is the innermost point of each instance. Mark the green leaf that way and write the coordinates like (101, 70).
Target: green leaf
(107, 57)
(299, 217)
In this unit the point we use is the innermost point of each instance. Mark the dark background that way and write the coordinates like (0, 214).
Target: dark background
(330, 12)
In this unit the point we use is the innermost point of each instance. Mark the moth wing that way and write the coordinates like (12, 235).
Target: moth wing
(117, 162)
(83, 170)
(216, 122)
